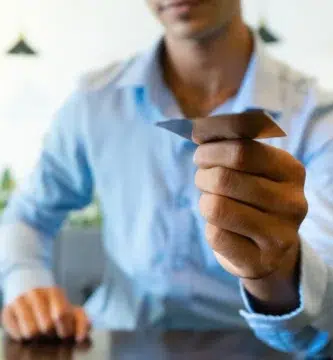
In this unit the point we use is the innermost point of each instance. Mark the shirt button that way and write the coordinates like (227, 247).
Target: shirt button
(183, 202)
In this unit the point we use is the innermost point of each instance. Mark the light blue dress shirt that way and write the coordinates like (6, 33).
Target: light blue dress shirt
(160, 269)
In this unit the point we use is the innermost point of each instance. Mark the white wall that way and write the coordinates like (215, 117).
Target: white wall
(74, 36)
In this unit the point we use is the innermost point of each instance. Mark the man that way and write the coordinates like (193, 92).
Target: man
(161, 269)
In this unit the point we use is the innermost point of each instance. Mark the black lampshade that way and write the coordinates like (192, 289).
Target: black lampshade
(267, 35)
(21, 48)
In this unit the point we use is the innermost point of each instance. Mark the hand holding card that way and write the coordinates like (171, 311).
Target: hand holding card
(252, 198)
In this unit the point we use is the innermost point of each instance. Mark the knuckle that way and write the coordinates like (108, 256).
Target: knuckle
(217, 180)
(223, 180)
(21, 301)
(210, 207)
(213, 236)
(36, 293)
(301, 209)
(57, 293)
(299, 172)
(298, 206)
(198, 178)
(239, 155)
(199, 155)
(36, 297)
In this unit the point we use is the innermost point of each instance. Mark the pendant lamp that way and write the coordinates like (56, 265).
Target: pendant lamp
(266, 34)
(22, 47)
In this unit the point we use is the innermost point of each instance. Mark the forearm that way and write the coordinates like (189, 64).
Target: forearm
(22, 261)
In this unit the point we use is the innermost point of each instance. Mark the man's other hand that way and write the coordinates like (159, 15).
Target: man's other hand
(45, 312)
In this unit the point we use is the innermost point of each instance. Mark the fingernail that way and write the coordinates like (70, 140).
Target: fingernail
(79, 339)
(26, 336)
(16, 338)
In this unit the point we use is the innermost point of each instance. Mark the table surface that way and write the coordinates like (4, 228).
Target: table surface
(147, 345)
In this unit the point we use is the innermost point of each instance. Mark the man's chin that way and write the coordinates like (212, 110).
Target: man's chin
(191, 32)
(181, 32)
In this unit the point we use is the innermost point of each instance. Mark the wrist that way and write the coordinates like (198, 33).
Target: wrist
(277, 294)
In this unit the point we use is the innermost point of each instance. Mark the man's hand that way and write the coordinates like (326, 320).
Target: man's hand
(44, 312)
(253, 200)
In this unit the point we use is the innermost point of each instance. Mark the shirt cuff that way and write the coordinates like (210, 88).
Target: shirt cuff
(312, 293)
(22, 261)
(22, 280)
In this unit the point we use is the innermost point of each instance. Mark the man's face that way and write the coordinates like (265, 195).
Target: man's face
(194, 19)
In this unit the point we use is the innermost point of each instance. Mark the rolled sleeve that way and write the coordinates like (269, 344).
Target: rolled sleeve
(60, 182)
(24, 278)
(299, 330)
(309, 328)
(23, 261)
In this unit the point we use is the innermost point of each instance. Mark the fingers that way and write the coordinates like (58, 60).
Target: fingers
(40, 307)
(61, 313)
(10, 323)
(82, 325)
(252, 157)
(246, 221)
(250, 189)
(26, 320)
(271, 197)
(239, 255)
(41, 312)
(236, 248)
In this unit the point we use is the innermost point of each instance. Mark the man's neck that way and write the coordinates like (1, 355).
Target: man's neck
(204, 74)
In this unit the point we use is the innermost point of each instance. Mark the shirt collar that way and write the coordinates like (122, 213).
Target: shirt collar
(266, 91)
(260, 87)
(143, 69)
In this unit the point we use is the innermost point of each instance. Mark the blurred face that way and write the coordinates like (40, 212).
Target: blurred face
(194, 19)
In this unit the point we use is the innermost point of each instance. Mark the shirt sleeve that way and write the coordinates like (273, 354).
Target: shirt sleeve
(309, 328)
(60, 182)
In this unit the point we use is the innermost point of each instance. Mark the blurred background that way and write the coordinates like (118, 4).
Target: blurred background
(72, 37)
